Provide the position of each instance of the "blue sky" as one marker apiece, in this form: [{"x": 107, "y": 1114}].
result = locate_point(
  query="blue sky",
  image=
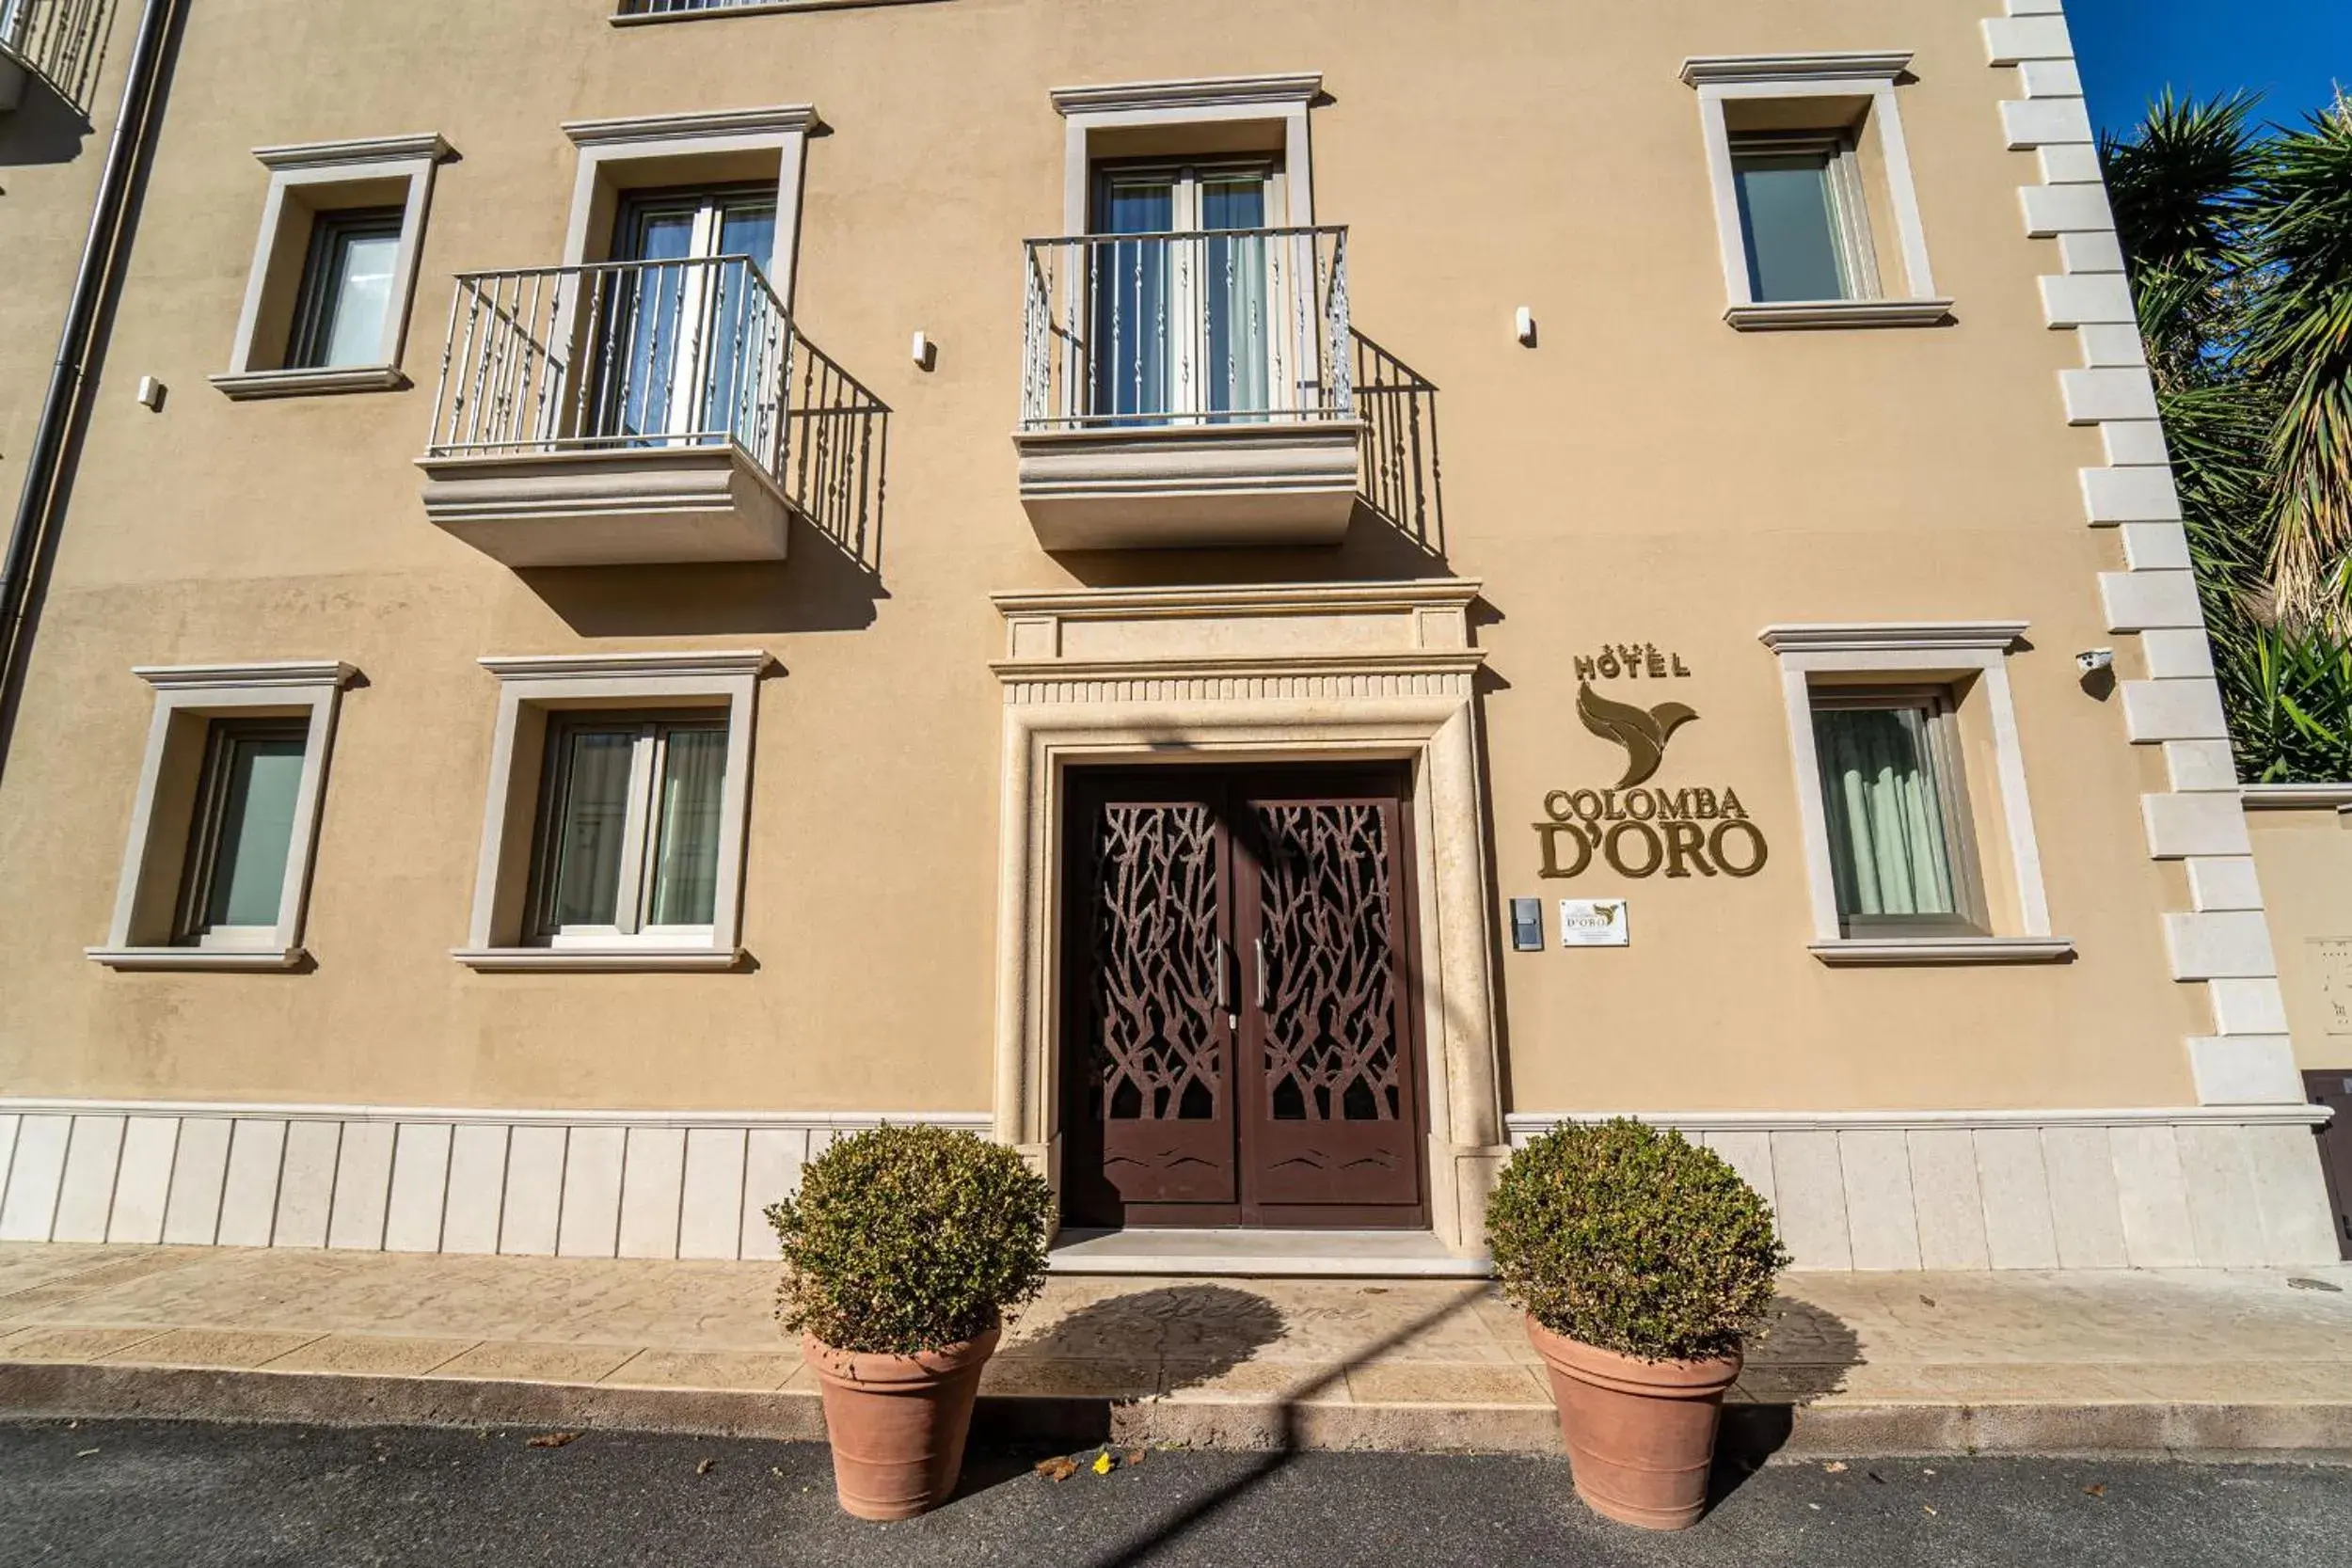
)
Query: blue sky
[{"x": 2290, "y": 51}]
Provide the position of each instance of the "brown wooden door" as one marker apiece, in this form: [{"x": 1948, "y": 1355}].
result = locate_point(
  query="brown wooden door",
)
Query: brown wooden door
[
  {"x": 2333, "y": 1089},
  {"x": 1237, "y": 1039}
]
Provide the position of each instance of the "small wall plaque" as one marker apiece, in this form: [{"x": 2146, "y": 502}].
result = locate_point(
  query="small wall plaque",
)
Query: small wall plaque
[
  {"x": 1526, "y": 925},
  {"x": 1592, "y": 923}
]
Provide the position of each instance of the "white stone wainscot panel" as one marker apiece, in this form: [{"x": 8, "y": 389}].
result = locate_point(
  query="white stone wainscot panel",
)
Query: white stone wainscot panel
[
  {"x": 199, "y": 1170},
  {"x": 305, "y": 1186},
  {"x": 2195, "y": 1186},
  {"x": 2013, "y": 1175},
  {"x": 35, "y": 1171},
  {"x": 87, "y": 1196},
  {"x": 593, "y": 1184},
  {"x": 1881, "y": 1212},
  {"x": 1948, "y": 1200},
  {"x": 143, "y": 1183}
]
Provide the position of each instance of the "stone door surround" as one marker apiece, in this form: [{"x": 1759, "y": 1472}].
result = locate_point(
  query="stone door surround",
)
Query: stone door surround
[{"x": 1301, "y": 673}]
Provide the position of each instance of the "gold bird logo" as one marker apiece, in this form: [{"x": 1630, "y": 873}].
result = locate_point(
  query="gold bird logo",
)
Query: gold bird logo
[{"x": 1642, "y": 732}]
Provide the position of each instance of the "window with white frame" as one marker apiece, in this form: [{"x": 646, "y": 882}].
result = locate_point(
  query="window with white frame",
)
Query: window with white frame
[
  {"x": 334, "y": 269},
  {"x": 619, "y": 799},
  {"x": 1805, "y": 222},
  {"x": 1894, "y": 796},
  {"x": 629, "y": 829},
  {"x": 217, "y": 870},
  {"x": 1919, "y": 837},
  {"x": 243, "y": 835},
  {"x": 346, "y": 292},
  {"x": 1816, "y": 214}
]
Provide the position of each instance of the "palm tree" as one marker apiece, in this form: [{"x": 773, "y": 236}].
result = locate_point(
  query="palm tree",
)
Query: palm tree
[{"x": 2240, "y": 247}]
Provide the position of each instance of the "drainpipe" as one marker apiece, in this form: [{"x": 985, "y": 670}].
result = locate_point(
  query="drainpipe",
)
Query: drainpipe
[{"x": 60, "y": 410}]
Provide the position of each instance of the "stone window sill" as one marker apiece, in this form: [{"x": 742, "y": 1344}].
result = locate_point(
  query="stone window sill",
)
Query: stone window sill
[
  {"x": 245, "y": 385},
  {"x": 198, "y": 957},
  {"x": 592, "y": 960},
  {"x": 1832, "y": 313},
  {"x": 1852, "y": 953}
]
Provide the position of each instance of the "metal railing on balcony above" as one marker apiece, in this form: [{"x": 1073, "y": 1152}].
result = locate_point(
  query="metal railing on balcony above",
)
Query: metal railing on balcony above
[
  {"x": 676, "y": 8},
  {"x": 1223, "y": 328},
  {"x": 62, "y": 42},
  {"x": 621, "y": 356}
]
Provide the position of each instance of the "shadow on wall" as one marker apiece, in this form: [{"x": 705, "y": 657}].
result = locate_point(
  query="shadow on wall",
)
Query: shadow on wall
[
  {"x": 43, "y": 129},
  {"x": 835, "y": 463},
  {"x": 1403, "y": 482},
  {"x": 819, "y": 587}
]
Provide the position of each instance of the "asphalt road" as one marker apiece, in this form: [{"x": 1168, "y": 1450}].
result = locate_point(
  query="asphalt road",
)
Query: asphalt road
[{"x": 128, "y": 1494}]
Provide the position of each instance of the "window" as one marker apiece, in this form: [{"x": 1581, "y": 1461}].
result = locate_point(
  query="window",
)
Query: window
[
  {"x": 346, "y": 289},
  {"x": 216, "y": 871},
  {"x": 1181, "y": 312},
  {"x": 1900, "y": 852},
  {"x": 245, "y": 820},
  {"x": 1919, "y": 837},
  {"x": 628, "y": 831},
  {"x": 1815, "y": 210},
  {"x": 1802, "y": 218},
  {"x": 620, "y": 788},
  {"x": 326, "y": 302},
  {"x": 694, "y": 329}
]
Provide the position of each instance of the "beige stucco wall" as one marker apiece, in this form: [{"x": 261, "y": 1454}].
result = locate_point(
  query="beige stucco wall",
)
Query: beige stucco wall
[
  {"x": 2305, "y": 858},
  {"x": 1646, "y": 473}
]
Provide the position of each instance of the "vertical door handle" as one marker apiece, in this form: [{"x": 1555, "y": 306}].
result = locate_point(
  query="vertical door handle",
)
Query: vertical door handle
[
  {"x": 1259, "y": 943},
  {"x": 1224, "y": 976}
]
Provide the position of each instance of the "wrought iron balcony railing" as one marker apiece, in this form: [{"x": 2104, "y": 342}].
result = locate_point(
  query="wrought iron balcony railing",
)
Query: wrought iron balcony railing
[
  {"x": 62, "y": 42},
  {"x": 622, "y": 355},
  {"x": 1226, "y": 327},
  {"x": 672, "y": 8}
]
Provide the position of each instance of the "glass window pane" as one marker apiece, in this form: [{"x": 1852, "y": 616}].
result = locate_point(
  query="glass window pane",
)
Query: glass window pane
[
  {"x": 1132, "y": 296},
  {"x": 686, "y": 846},
  {"x": 590, "y": 828},
  {"x": 362, "y": 293},
  {"x": 748, "y": 227},
  {"x": 1236, "y": 276},
  {"x": 260, "y": 780},
  {"x": 1889, "y": 846},
  {"x": 1789, "y": 226},
  {"x": 1232, "y": 201}
]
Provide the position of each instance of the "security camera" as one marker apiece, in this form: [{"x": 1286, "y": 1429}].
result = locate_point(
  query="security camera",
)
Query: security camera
[{"x": 2091, "y": 661}]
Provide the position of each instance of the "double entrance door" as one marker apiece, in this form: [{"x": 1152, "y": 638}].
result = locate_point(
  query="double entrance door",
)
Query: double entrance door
[{"x": 1238, "y": 1045}]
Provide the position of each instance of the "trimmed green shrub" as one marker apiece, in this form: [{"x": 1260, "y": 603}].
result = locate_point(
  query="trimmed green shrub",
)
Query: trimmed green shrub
[
  {"x": 1633, "y": 1239},
  {"x": 910, "y": 1238}
]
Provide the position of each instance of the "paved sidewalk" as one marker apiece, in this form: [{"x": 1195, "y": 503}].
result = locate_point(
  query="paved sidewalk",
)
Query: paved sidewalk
[{"x": 1858, "y": 1363}]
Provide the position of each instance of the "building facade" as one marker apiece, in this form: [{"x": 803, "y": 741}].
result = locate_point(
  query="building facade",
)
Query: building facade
[{"x": 1349, "y": 579}]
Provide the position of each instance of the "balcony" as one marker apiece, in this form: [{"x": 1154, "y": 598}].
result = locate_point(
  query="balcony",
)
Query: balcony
[
  {"x": 56, "y": 43},
  {"x": 1181, "y": 390},
  {"x": 632, "y": 413}
]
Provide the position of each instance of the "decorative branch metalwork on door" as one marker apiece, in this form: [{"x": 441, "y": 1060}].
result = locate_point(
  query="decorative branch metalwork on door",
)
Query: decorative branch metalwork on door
[
  {"x": 1328, "y": 973},
  {"x": 1158, "y": 1051}
]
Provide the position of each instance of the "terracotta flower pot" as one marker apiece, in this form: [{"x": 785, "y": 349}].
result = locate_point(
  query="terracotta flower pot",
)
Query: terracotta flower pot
[
  {"x": 1641, "y": 1435},
  {"x": 898, "y": 1423}
]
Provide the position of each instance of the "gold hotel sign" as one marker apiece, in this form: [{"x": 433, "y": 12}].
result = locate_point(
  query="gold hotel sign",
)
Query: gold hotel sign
[{"x": 1637, "y": 829}]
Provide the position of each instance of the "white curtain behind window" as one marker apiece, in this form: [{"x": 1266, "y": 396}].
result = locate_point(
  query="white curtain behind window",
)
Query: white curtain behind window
[
  {"x": 686, "y": 854},
  {"x": 1888, "y": 848}
]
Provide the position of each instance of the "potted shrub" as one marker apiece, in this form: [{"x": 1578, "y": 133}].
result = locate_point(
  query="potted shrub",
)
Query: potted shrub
[
  {"x": 903, "y": 1250},
  {"x": 1641, "y": 1262}
]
